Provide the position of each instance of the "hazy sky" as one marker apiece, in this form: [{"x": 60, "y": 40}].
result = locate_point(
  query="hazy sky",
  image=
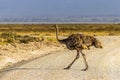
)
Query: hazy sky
[{"x": 59, "y": 7}]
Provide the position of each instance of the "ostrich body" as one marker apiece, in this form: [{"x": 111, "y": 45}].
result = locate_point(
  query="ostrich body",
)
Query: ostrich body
[{"x": 78, "y": 42}]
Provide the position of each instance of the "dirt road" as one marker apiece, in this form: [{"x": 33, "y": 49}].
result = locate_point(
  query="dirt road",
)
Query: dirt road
[{"x": 104, "y": 64}]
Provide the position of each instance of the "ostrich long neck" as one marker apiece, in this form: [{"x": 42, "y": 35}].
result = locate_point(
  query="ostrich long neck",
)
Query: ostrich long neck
[
  {"x": 60, "y": 41},
  {"x": 56, "y": 29}
]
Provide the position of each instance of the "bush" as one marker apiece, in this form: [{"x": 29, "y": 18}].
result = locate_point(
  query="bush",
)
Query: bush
[{"x": 10, "y": 37}]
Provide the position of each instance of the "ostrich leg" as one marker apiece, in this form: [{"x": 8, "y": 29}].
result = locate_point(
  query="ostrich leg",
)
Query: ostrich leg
[
  {"x": 77, "y": 56},
  {"x": 86, "y": 65}
]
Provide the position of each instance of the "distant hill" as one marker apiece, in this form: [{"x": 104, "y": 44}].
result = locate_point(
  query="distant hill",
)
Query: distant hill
[{"x": 110, "y": 19}]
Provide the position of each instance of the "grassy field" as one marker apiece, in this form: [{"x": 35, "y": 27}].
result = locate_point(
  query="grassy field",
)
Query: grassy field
[
  {"x": 64, "y": 28},
  {"x": 42, "y": 30}
]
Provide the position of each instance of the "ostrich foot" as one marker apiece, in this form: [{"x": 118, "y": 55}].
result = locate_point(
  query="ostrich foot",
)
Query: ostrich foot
[
  {"x": 84, "y": 69},
  {"x": 67, "y": 68}
]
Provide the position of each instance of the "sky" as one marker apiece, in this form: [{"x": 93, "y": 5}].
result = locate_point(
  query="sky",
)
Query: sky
[{"x": 59, "y": 8}]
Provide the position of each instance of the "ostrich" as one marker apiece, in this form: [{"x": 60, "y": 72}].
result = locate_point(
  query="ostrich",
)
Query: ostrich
[{"x": 78, "y": 42}]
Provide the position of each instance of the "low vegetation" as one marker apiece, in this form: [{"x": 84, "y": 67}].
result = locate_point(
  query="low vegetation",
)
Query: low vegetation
[
  {"x": 64, "y": 27},
  {"x": 25, "y": 33},
  {"x": 9, "y": 37}
]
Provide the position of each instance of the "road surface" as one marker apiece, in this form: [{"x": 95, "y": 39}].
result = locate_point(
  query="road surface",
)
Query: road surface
[{"x": 104, "y": 64}]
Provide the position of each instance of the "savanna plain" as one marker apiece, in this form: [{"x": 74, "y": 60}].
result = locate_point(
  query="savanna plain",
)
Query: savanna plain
[{"x": 31, "y": 52}]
